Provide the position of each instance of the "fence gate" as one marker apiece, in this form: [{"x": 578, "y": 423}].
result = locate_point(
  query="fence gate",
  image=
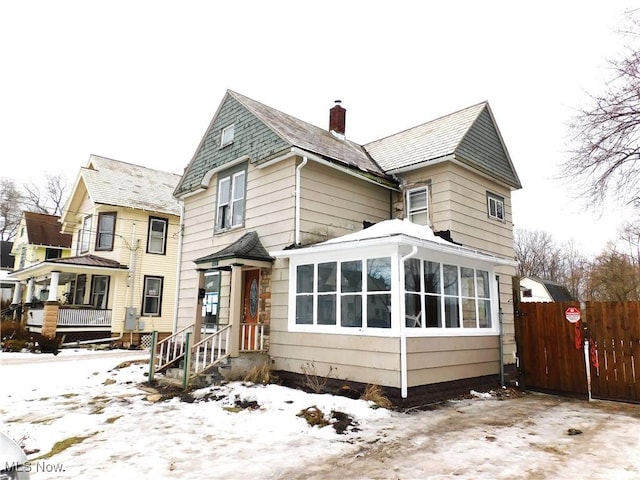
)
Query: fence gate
[
  {"x": 552, "y": 357},
  {"x": 550, "y": 350}
]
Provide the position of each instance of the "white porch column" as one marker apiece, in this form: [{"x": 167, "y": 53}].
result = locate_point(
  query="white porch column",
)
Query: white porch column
[
  {"x": 17, "y": 294},
  {"x": 53, "y": 287},
  {"x": 235, "y": 309},
  {"x": 30, "y": 287}
]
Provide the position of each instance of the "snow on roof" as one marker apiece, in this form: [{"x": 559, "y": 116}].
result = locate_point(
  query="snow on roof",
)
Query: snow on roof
[{"x": 390, "y": 228}]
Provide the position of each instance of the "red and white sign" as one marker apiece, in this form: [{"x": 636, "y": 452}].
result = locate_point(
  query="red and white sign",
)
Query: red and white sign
[{"x": 572, "y": 314}]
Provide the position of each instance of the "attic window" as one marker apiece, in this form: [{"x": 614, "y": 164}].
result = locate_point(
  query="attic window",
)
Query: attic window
[
  {"x": 495, "y": 206},
  {"x": 226, "y": 137},
  {"x": 527, "y": 293}
]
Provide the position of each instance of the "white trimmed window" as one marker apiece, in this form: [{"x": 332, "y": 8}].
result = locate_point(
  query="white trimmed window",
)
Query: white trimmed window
[
  {"x": 418, "y": 205},
  {"x": 495, "y": 206},
  {"x": 446, "y": 296},
  {"x": 231, "y": 196},
  {"x": 344, "y": 294},
  {"x": 85, "y": 234},
  {"x": 157, "y": 235},
  {"x": 152, "y": 296},
  {"x": 226, "y": 137}
]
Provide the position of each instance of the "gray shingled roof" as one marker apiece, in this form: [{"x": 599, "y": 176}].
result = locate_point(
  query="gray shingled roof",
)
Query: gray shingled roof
[
  {"x": 110, "y": 182},
  {"x": 470, "y": 134},
  {"x": 310, "y": 138},
  {"x": 248, "y": 247}
]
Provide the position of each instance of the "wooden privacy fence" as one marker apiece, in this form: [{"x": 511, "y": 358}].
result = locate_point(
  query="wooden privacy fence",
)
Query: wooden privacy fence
[{"x": 552, "y": 354}]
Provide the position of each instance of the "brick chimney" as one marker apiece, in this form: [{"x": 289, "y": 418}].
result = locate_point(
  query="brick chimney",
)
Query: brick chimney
[{"x": 337, "y": 118}]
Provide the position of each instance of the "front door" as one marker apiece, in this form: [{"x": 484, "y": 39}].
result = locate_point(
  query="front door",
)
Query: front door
[{"x": 250, "y": 310}]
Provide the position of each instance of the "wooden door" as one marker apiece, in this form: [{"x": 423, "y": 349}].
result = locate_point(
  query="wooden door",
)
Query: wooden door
[{"x": 251, "y": 300}]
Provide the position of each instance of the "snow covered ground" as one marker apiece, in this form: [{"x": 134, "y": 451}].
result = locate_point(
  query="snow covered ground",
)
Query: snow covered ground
[{"x": 112, "y": 430}]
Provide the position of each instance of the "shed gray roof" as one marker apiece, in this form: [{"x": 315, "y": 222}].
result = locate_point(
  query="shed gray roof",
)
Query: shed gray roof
[
  {"x": 311, "y": 138},
  {"x": 470, "y": 134},
  {"x": 110, "y": 182}
]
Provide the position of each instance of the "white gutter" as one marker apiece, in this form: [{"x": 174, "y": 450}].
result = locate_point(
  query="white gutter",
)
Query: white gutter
[
  {"x": 403, "y": 327},
  {"x": 178, "y": 268},
  {"x": 297, "y": 194}
]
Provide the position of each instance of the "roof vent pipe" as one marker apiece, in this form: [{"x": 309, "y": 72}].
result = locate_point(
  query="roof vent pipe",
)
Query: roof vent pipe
[{"x": 337, "y": 118}]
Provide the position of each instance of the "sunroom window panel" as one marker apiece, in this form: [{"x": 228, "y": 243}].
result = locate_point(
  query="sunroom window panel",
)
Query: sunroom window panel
[
  {"x": 451, "y": 312},
  {"x": 433, "y": 308},
  {"x": 379, "y": 274},
  {"x": 467, "y": 282},
  {"x": 432, "y": 277},
  {"x": 304, "y": 279},
  {"x": 304, "y": 309},
  {"x": 351, "y": 311},
  {"x": 450, "y": 274},
  {"x": 327, "y": 277},
  {"x": 351, "y": 274},
  {"x": 327, "y": 309},
  {"x": 379, "y": 310},
  {"x": 482, "y": 281},
  {"x": 469, "y": 313},
  {"x": 412, "y": 275},
  {"x": 484, "y": 314},
  {"x": 413, "y": 310}
]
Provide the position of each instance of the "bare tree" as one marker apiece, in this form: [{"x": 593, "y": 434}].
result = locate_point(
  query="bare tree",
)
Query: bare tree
[
  {"x": 536, "y": 253},
  {"x": 605, "y": 156},
  {"x": 11, "y": 206},
  {"x": 614, "y": 277},
  {"x": 48, "y": 197}
]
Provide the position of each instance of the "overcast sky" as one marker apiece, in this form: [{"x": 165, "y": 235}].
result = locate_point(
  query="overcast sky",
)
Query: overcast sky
[{"x": 139, "y": 81}]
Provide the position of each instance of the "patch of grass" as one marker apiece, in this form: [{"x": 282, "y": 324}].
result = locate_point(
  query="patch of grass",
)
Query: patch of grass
[
  {"x": 312, "y": 380},
  {"x": 128, "y": 363},
  {"x": 259, "y": 374},
  {"x": 46, "y": 420},
  {"x": 112, "y": 419},
  {"x": 69, "y": 395},
  {"x": 62, "y": 445},
  {"x": 374, "y": 393},
  {"x": 314, "y": 416},
  {"x": 233, "y": 409}
]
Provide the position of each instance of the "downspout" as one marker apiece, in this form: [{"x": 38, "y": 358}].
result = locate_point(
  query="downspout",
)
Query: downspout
[
  {"x": 403, "y": 327},
  {"x": 297, "y": 194},
  {"x": 179, "y": 267}
]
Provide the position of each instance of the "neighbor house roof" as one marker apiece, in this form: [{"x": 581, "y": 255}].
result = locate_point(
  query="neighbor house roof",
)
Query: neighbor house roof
[
  {"x": 121, "y": 184},
  {"x": 557, "y": 292},
  {"x": 43, "y": 229},
  {"x": 470, "y": 135}
]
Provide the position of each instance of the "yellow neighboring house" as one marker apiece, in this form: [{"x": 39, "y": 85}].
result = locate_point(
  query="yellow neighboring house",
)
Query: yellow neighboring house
[{"x": 118, "y": 282}]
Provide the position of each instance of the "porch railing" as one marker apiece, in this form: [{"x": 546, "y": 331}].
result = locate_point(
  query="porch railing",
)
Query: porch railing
[
  {"x": 84, "y": 317},
  {"x": 168, "y": 350},
  {"x": 209, "y": 351},
  {"x": 252, "y": 337}
]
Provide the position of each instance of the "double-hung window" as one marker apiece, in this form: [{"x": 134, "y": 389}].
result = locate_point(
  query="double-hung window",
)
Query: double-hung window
[
  {"x": 418, "y": 205},
  {"x": 99, "y": 291},
  {"x": 152, "y": 296},
  {"x": 85, "y": 234},
  {"x": 157, "y": 235},
  {"x": 231, "y": 199},
  {"x": 495, "y": 206},
  {"x": 106, "y": 231}
]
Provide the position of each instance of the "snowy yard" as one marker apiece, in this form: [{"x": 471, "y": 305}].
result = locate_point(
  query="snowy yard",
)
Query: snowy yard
[{"x": 110, "y": 429}]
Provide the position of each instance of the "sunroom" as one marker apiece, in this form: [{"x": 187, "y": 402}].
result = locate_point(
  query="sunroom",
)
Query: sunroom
[{"x": 397, "y": 280}]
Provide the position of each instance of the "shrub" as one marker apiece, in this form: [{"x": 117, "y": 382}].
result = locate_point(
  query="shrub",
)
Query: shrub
[
  {"x": 374, "y": 393},
  {"x": 312, "y": 380}
]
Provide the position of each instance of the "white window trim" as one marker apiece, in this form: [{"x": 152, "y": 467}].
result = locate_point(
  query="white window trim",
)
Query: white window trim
[
  {"x": 232, "y": 201},
  {"x": 225, "y": 130},
  {"x": 397, "y": 292},
  {"x": 410, "y": 213},
  {"x": 497, "y": 199}
]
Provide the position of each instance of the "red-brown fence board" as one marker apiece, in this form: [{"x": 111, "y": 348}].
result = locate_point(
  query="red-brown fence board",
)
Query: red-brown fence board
[
  {"x": 549, "y": 358},
  {"x": 614, "y": 328}
]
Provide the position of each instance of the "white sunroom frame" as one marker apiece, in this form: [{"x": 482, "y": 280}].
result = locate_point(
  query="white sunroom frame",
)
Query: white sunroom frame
[{"x": 400, "y": 240}]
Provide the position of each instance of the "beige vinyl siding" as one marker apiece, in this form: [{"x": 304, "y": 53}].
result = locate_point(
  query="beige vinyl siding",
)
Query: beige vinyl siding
[
  {"x": 335, "y": 203},
  {"x": 442, "y": 359},
  {"x": 458, "y": 202},
  {"x": 269, "y": 210},
  {"x": 372, "y": 360}
]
